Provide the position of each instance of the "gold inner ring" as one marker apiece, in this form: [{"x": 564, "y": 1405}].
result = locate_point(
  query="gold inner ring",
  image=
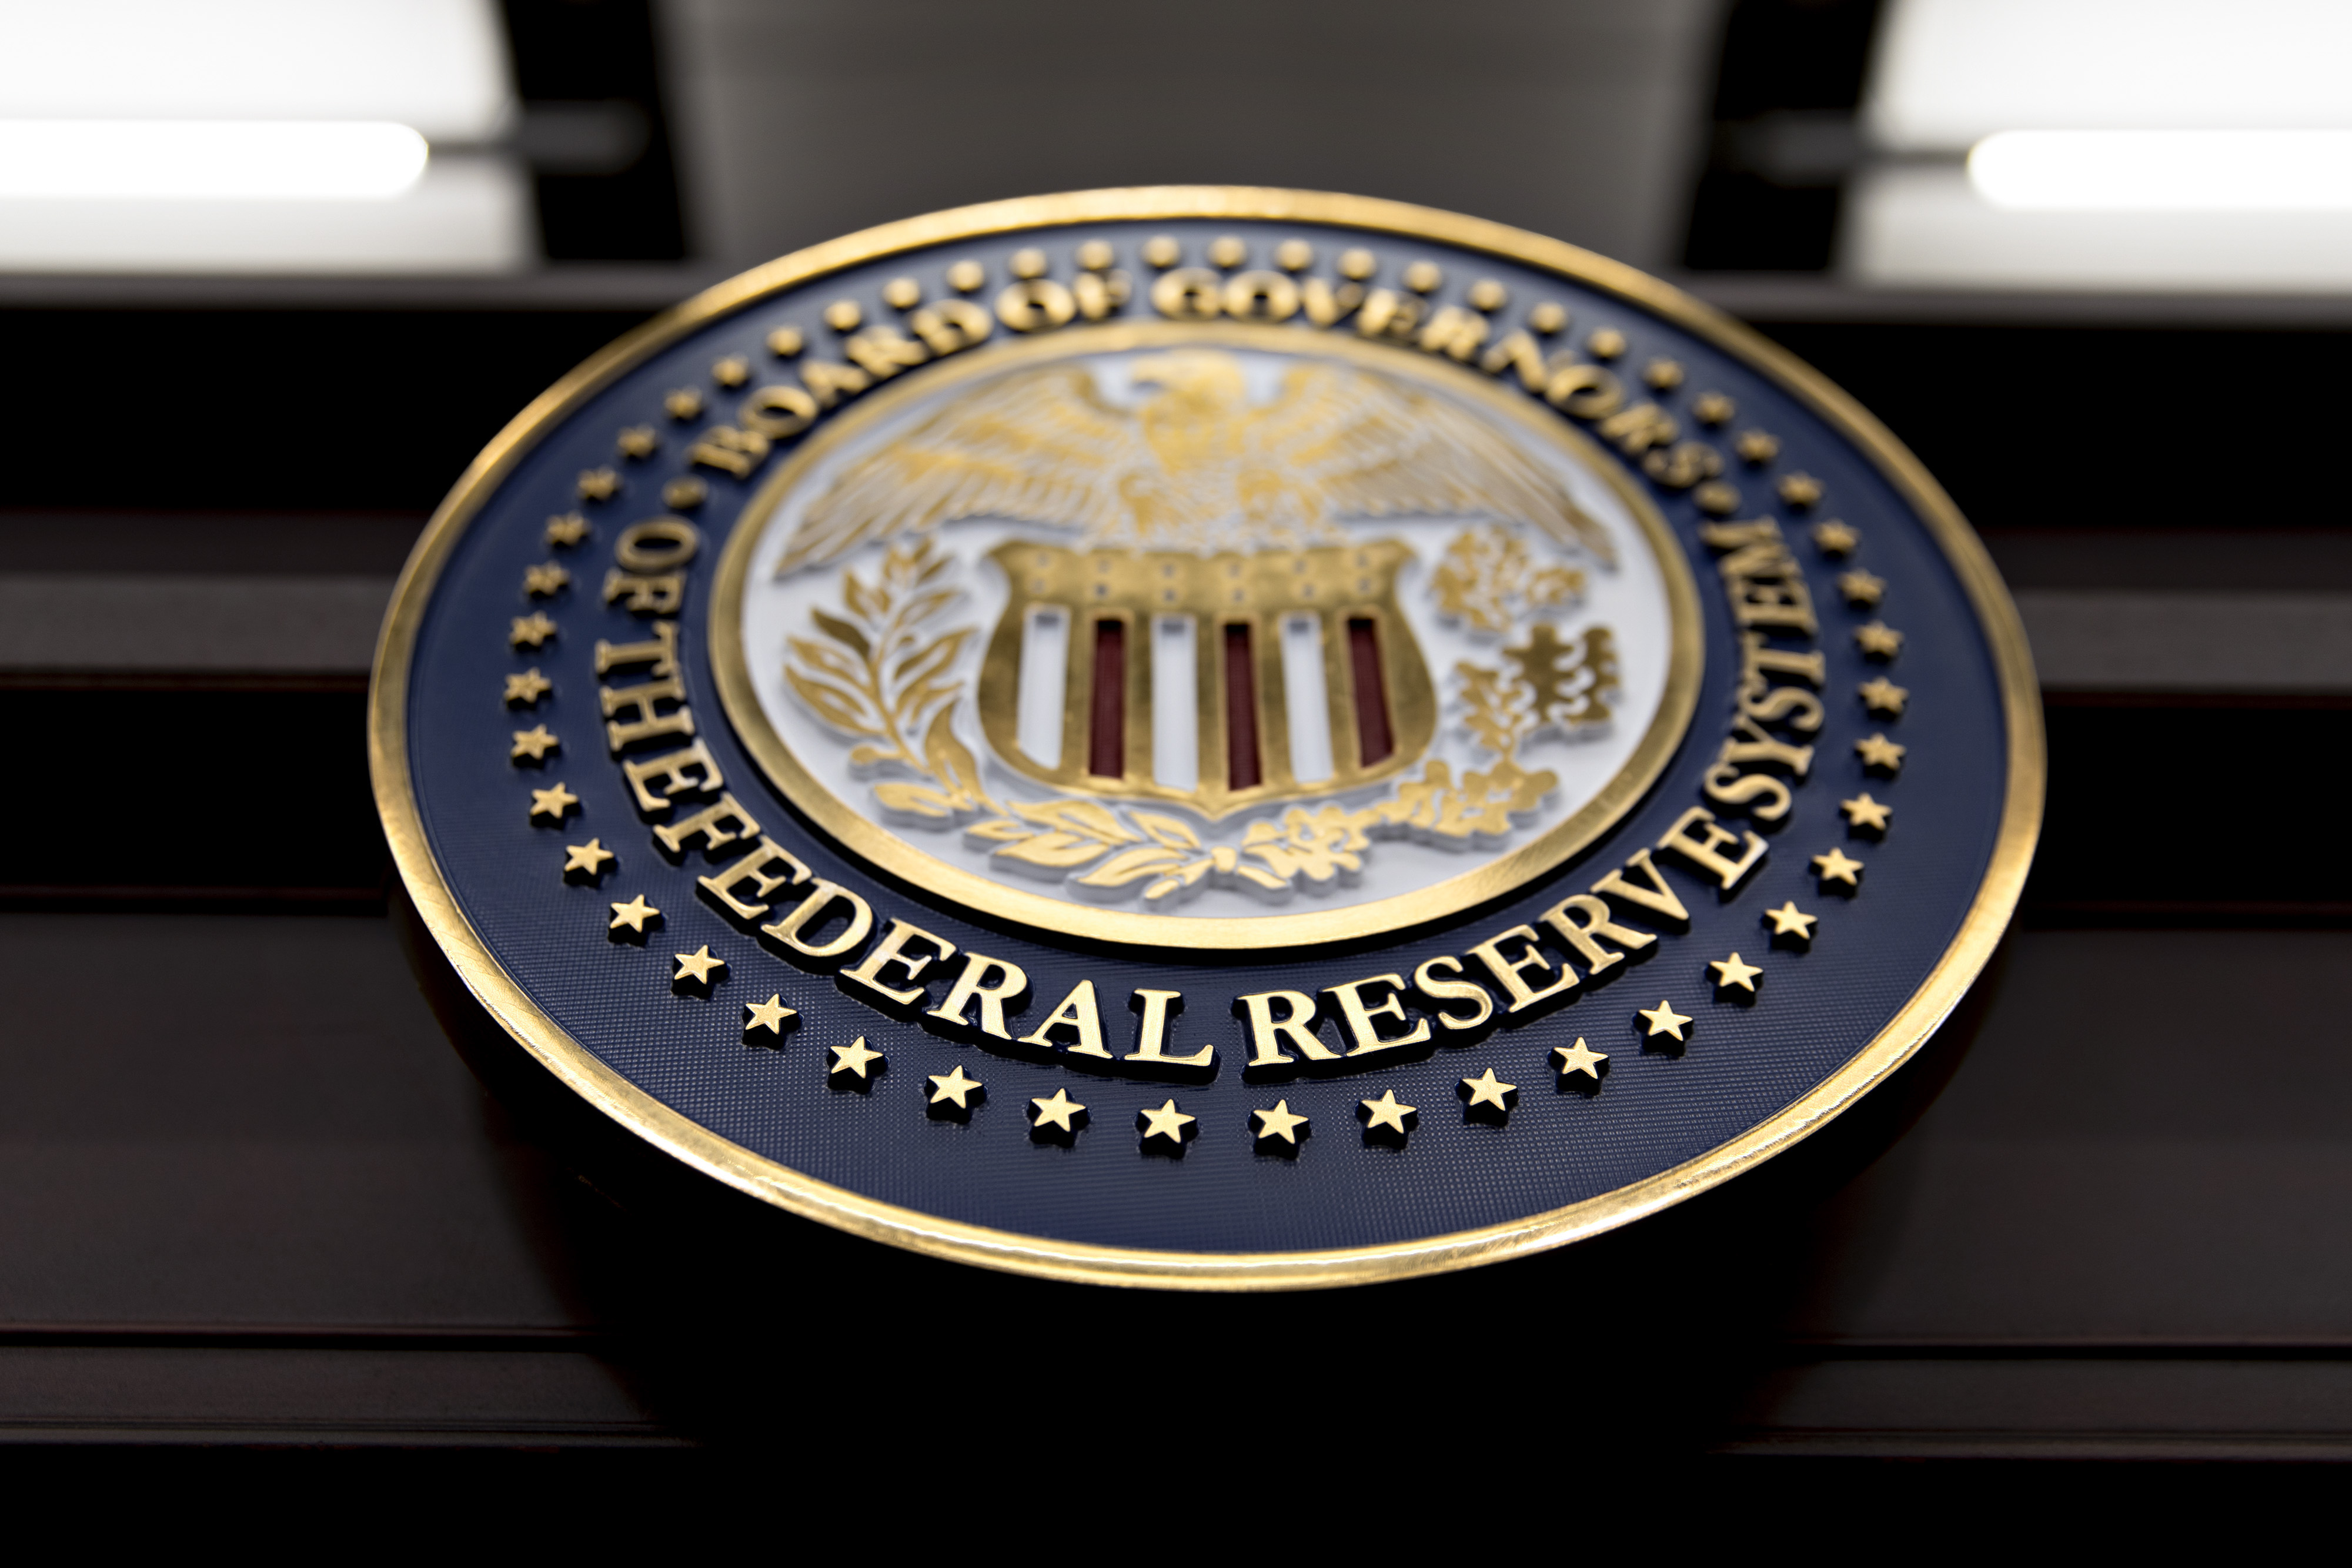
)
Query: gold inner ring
[{"x": 1498, "y": 878}]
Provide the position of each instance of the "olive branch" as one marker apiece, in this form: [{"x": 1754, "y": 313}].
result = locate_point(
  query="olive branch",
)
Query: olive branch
[
  {"x": 881, "y": 675},
  {"x": 1486, "y": 578}
]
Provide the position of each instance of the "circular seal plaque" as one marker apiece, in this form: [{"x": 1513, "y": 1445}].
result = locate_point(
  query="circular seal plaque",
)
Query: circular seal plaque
[{"x": 1211, "y": 737}]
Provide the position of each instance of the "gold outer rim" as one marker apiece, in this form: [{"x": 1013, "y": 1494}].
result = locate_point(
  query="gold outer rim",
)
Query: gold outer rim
[
  {"x": 1244, "y": 933},
  {"x": 696, "y": 1145}
]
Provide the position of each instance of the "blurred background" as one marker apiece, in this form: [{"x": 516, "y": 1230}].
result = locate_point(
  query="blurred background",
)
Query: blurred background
[
  {"x": 272, "y": 270},
  {"x": 2081, "y": 145}
]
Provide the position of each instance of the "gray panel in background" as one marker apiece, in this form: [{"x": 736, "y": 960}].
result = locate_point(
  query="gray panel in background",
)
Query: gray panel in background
[
  {"x": 2055, "y": 1407},
  {"x": 285, "y": 624},
  {"x": 277, "y": 624},
  {"x": 339, "y": 1395},
  {"x": 2132, "y": 641},
  {"x": 1573, "y": 118},
  {"x": 2174, "y": 560}
]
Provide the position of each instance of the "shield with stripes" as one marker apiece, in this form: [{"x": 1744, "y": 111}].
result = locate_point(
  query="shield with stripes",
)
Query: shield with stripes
[{"x": 1216, "y": 682}]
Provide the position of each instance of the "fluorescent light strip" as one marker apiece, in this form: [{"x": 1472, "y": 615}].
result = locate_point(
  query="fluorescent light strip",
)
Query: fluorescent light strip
[
  {"x": 1945, "y": 73},
  {"x": 2164, "y": 170},
  {"x": 438, "y": 65},
  {"x": 208, "y": 159}
]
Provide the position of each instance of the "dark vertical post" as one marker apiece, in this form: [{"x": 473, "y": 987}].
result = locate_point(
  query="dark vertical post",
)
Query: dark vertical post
[
  {"x": 1374, "y": 739},
  {"x": 1107, "y": 737},
  {"x": 1241, "y": 709}
]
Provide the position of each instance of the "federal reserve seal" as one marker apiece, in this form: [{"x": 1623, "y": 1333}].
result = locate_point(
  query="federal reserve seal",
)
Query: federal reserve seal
[{"x": 1209, "y": 738}]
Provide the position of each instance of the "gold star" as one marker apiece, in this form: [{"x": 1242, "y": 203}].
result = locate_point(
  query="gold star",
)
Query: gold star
[
  {"x": 1837, "y": 866},
  {"x": 1789, "y": 921},
  {"x": 635, "y": 914},
  {"x": 1279, "y": 1123},
  {"x": 1880, "y": 752},
  {"x": 785, "y": 341},
  {"x": 698, "y": 966},
  {"x": 685, "y": 494},
  {"x": 534, "y": 743},
  {"x": 526, "y": 689},
  {"x": 542, "y": 580},
  {"x": 1664, "y": 1020},
  {"x": 638, "y": 441},
  {"x": 1712, "y": 408},
  {"x": 1799, "y": 490},
  {"x": 599, "y": 484},
  {"x": 733, "y": 371},
  {"x": 1881, "y": 696},
  {"x": 552, "y": 801},
  {"x": 1388, "y": 1114},
  {"x": 530, "y": 630},
  {"x": 1717, "y": 498},
  {"x": 855, "y": 1059},
  {"x": 587, "y": 859},
  {"x": 1166, "y": 1122},
  {"x": 1862, "y": 811},
  {"x": 953, "y": 1086},
  {"x": 1730, "y": 972},
  {"x": 1060, "y": 1111},
  {"x": 1834, "y": 539},
  {"x": 1878, "y": 641},
  {"x": 1487, "y": 1090},
  {"x": 1605, "y": 344},
  {"x": 1755, "y": 446},
  {"x": 1578, "y": 1058},
  {"x": 567, "y": 530},
  {"x": 1664, "y": 375},
  {"x": 1860, "y": 589},
  {"x": 769, "y": 1015},
  {"x": 683, "y": 403}
]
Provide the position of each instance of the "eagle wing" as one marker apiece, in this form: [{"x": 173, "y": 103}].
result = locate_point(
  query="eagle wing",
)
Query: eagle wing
[
  {"x": 1041, "y": 447},
  {"x": 1364, "y": 446}
]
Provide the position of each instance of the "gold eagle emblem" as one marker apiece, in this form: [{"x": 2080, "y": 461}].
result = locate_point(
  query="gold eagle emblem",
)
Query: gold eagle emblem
[{"x": 1194, "y": 467}]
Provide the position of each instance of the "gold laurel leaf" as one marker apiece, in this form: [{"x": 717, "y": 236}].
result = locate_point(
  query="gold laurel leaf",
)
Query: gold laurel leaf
[
  {"x": 1133, "y": 865},
  {"x": 841, "y": 630},
  {"x": 915, "y": 800},
  {"x": 865, "y": 603},
  {"x": 930, "y": 661},
  {"x": 830, "y": 660},
  {"x": 927, "y": 605},
  {"x": 1166, "y": 829},
  {"x": 1060, "y": 852},
  {"x": 836, "y": 707},
  {"x": 1076, "y": 817},
  {"x": 951, "y": 760}
]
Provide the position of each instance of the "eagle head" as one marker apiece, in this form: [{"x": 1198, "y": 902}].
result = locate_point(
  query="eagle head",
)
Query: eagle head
[{"x": 1195, "y": 382}]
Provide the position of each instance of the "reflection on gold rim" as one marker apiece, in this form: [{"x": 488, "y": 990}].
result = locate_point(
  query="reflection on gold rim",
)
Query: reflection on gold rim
[
  {"x": 1223, "y": 934},
  {"x": 698, "y": 1146}
]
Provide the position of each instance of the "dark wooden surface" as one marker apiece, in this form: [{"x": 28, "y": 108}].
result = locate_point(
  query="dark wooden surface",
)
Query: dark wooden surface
[{"x": 249, "y": 1195}]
